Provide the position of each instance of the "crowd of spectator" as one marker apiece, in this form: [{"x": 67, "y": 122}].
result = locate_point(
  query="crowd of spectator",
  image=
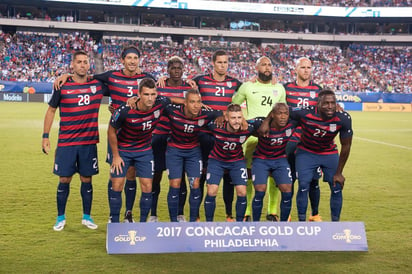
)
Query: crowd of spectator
[
  {"x": 37, "y": 57},
  {"x": 40, "y": 57}
]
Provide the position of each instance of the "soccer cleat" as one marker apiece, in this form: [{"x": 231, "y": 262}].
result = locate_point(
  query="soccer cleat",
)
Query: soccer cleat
[
  {"x": 181, "y": 218},
  {"x": 272, "y": 218},
  {"x": 89, "y": 223},
  {"x": 229, "y": 219},
  {"x": 128, "y": 217},
  {"x": 316, "y": 218},
  {"x": 60, "y": 223},
  {"x": 247, "y": 218},
  {"x": 153, "y": 219}
]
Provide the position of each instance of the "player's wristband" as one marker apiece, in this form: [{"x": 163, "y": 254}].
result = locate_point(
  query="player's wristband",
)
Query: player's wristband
[{"x": 45, "y": 135}]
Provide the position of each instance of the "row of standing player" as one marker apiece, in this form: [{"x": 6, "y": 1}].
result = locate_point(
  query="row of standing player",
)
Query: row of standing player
[{"x": 217, "y": 90}]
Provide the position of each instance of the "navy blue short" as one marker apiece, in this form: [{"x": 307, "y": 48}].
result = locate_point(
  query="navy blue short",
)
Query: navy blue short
[
  {"x": 189, "y": 160},
  {"x": 216, "y": 169},
  {"x": 109, "y": 154},
  {"x": 278, "y": 168},
  {"x": 159, "y": 145},
  {"x": 71, "y": 159},
  {"x": 291, "y": 147},
  {"x": 142, "y": 161},
  {"x": 207, "y": 142},
  {"x": 307, "y": 164}
]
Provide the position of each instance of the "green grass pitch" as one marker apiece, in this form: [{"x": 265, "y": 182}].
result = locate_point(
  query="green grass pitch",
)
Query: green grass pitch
[{"x": 378, "y": 192}]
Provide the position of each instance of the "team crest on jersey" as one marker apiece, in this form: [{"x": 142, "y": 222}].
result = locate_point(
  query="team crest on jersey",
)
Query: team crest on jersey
[
  {"x": 288, "y": 132},
  {"x": 201, "y": 122},
  {"x": 332, "y": 127},
  {"x": 275, "y": 92},
  {"x": 242, "y": 139},
  {"x": 229, "y": 84},
  {"x": 94, "y": 89},
  {"x": 312, "y": 94},
  {"x": 156, "y": 114}
]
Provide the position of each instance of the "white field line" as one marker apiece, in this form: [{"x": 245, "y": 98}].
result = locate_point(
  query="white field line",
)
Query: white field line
[{"x": 383, "y": 143}]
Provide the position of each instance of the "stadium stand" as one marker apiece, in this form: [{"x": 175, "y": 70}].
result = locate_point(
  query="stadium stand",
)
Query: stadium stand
[{"x": 40, "y": 57}]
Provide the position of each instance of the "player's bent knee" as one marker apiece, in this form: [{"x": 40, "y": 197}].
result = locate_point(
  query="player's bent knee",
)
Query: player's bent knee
[
  {"x": 285, "y": 187},
  {"x": 261, "y": 187},
  {"x": 117, "y": 184},
  {"x": 65, "y": 180},
  {"x": 86, "y": 179},
  {"x": 193, "y": 182}
]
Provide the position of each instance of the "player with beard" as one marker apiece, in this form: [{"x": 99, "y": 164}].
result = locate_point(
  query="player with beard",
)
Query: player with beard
[
  {"x": 260, "y": 97},
  {"x": 227, "y": 155}
]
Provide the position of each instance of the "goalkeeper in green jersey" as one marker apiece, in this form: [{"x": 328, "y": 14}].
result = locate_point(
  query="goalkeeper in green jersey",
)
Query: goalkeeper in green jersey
[{"x": 260, "y": 97}]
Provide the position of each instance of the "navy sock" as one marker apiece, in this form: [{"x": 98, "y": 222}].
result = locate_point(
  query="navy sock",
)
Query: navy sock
[
  {"x": 63, "y": 191},
  {"x": 86, "y": 191},
  {"x": 257, "y": 204},
  {"x": 240, "y": 208},
  {"x": 145, "y": 203},
  {"x": 173, "y": 203},
  {"x": 302, "y": 202},
  {"x": 202, "y": 181},
  {"x": 155, "y": 194},
  {"x": 109, "y": 186},
  {"x": 130, "y": 193},
  {"x": 182, "y": 196},
  {"x": 115, "y": 204},
  {"x": 336, "y": 200},
  {"x": 195, "y": 199},
  {"x": 228, "y": 192},
  {"x": 210, "y": 206},
  {"x": 314, "y": 196},
  {"x": 285, "y": 206}
]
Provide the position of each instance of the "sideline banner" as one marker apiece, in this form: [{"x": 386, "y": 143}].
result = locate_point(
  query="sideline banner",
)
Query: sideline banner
[
  {"x": 387, "y": 107},
  {"x": 130, "y": 238}
]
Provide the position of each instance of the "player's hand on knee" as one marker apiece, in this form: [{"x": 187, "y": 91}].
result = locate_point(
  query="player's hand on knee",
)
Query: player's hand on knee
[
  {"x": 338, "y": 179},
  {"x": 117, "y": 165}
]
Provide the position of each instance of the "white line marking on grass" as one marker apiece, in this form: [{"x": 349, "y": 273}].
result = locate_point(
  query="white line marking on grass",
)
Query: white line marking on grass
[{"x": 383, "y": 143}]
